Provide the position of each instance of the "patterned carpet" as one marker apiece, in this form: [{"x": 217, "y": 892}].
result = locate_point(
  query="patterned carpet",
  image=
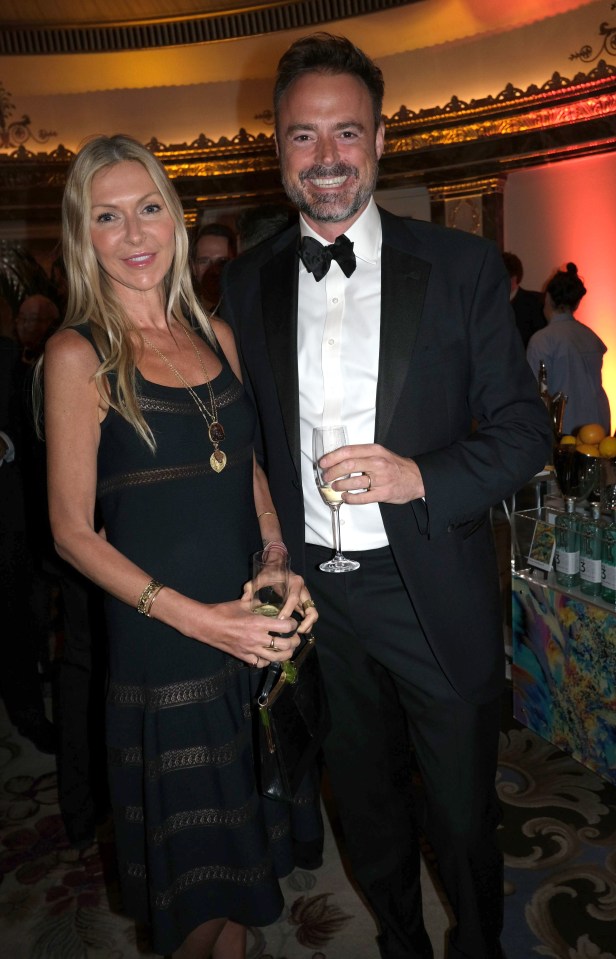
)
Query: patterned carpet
[{"x": 558, "y": 838}]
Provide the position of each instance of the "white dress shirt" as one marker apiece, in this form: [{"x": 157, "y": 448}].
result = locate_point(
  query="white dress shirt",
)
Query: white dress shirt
[{"x": 338, "y": 333}]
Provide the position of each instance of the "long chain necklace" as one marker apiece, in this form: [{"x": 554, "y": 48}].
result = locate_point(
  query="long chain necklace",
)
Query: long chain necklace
[{"x": 215, "y": 431}]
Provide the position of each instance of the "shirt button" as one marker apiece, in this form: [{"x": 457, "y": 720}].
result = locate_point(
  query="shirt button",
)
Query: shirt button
[
  {"x": 334, "y": 299},
  {"x": 331, "y": 342}
]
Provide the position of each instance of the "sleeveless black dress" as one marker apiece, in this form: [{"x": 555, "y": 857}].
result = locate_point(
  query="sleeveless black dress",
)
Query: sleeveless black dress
[{"x": 194, "y": 839}]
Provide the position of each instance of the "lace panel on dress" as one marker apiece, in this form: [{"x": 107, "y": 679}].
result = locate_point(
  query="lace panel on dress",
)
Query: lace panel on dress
[
  {"x": 194, "y": 818},
  {"x": 248, "y": 876},
  {"x": 175, "y": 694},
  {"x": 161, "y": 475}
]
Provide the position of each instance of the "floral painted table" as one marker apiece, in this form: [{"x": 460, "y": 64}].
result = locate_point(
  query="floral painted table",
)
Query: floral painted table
[{"x": 564, "y": 670}]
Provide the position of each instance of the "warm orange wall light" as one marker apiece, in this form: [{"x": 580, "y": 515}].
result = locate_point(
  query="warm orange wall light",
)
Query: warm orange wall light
[{"x": 567, "y": 212}]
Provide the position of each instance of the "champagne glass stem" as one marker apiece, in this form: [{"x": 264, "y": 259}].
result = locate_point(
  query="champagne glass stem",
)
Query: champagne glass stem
[{"x": 336, "y": 529}]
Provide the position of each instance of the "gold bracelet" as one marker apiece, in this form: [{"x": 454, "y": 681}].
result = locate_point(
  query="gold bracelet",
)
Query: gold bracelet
[
  {"x": 153, "y": 597},
  {"x": 147, "y": 597},
  {"x": 266, "y": 512}
]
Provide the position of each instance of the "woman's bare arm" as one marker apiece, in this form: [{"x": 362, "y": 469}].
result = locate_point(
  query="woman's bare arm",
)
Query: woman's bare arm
[{"x": 73, "y": 413}]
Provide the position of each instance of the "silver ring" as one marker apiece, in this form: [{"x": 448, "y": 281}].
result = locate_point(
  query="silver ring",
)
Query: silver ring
[
  {"x": 257, "y": 658},
  {"x": 369, "y": 486}
]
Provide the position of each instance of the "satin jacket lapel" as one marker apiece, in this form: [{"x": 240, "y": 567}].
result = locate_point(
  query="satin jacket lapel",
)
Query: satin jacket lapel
[
  {"x": 279, "y": 306},
  {"x": 404, "y": 280}
]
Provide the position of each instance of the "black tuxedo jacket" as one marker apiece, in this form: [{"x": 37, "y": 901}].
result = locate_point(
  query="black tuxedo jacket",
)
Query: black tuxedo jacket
[
  {"x": 528, "y": 311},
  {"x": 450, "y": 360}
]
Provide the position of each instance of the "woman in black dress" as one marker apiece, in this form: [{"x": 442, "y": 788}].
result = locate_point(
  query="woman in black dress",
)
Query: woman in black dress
[{"x": 145, "y": 414}]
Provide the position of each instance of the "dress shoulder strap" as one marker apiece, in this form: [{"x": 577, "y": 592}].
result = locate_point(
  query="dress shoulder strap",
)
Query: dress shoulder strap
[{"x": 85, "y": 330}]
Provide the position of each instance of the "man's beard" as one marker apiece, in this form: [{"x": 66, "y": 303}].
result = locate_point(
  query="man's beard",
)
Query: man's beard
[{"x": 330, "y": 207}]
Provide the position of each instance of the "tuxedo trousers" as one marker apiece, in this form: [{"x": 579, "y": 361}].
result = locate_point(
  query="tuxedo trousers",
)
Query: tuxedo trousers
[{"x": 389, "y": 701}]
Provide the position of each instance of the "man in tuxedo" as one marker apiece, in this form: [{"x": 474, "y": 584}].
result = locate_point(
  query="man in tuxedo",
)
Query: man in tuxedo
[
  {"x": 527, "y": 304},
  {"x": 402, "y": 332}
]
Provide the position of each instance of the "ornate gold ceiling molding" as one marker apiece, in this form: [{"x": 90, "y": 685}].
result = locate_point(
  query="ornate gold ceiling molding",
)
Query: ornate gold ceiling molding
[
  {"x": 483, "y": 186},
  {"x": 240, "y": 21},
  {"x": 457, "y": 147},
  {"x": 198, "y": 151},
  {"x": 541, "y": 119},
  {"x": 13, "y": 133},
  {"x": 512, "y": 100},
  {"x": 608, "y": 44},
  {"x": 560, "y": 101}
]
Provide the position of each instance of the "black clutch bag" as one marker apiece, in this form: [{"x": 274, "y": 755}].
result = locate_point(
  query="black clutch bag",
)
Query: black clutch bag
[{"x": 292, "y": 722}]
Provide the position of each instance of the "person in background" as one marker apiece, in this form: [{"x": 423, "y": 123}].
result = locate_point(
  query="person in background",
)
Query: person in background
[
  {"x": 55, "y": 585},
  {"x": 145, "y": 415},
  {"x": 213, "y": 246},
  {"x": 7, "y": 318},
  {"x": 527, "y": 304},
  {"x": 36, "y": 319},
  {"x": 572, "y": 353},
  {"x": 400, "y": 330},
  {"x": 36, "y": 316},
  {"x": 20, "y": 648},
  {"x": 58, "y": 280}
]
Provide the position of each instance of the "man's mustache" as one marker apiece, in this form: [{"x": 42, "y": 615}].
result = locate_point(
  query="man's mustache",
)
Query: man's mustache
[{"x": 319, "y": 172}]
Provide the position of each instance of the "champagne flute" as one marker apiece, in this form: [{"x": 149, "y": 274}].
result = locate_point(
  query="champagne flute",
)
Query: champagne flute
[
  {"x": 270, "y": 585},
  {"x": 270, "y": 581},
  {"x": 324, "y": 440}
]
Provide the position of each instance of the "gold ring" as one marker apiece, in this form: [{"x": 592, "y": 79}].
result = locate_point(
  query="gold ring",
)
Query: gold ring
[
  {"x": 276, "y": 649},
  {"x": 272, "y": 645},
  {"x": 369, "y": 486},
  {"x": 257, "y": 658},
  {"x": 309, "y": 604}
]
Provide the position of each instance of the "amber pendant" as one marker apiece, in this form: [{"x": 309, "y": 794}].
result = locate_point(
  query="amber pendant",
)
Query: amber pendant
[
  {"x": 216, "y": 432},
  {"x": 218, "y": 461}
]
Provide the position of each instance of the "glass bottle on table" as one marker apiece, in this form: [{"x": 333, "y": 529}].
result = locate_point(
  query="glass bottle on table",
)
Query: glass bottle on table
[
  {"x": 608, "y": 552},
  {"x": 608, "y": 563},
  {"x": 577, "y": 476},
  {"x": 591, "y": 541},
  {"x": 567, "y": 554},
  {"x": 543, "y": 383}
]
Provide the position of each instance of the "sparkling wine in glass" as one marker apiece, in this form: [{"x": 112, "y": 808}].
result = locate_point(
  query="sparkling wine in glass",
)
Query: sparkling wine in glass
[
  {"x": 270, "y": 580},
  {"x": 324, "y": 440}
]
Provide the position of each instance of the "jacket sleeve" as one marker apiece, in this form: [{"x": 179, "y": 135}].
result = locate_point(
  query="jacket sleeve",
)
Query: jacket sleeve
[{"x": 512, "y": 435}]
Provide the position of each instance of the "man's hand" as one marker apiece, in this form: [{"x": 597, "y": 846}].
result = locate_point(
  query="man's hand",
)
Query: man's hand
[{"x": 384, "y": 476}]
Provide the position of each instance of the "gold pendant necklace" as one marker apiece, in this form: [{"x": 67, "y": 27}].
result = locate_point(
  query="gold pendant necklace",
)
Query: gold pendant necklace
[{"x": 215, "y": 430}]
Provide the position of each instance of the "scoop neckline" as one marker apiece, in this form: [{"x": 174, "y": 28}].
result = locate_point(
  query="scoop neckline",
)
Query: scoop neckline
[{"x": 163, "y": 386}]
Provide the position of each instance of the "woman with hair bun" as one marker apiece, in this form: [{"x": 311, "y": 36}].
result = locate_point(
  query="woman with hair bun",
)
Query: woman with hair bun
[{"x": 572, "y": 353}]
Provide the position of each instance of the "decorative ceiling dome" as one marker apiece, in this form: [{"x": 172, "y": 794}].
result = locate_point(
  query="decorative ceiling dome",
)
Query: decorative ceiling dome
[{"x": 93, "y": 26}]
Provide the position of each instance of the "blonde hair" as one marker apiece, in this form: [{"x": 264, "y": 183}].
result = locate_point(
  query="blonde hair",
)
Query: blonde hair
[{"x": 91, "y": 296}]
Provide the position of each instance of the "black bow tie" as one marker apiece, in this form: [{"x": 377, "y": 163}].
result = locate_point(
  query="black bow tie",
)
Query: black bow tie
[{"x": 317, "y": 258}]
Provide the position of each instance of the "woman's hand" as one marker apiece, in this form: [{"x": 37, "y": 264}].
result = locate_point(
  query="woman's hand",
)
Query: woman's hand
[
  {"x": 298, "y": 601},
  {"x": 301, "y": 602},
  {"x": 235, "y": 629}
]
